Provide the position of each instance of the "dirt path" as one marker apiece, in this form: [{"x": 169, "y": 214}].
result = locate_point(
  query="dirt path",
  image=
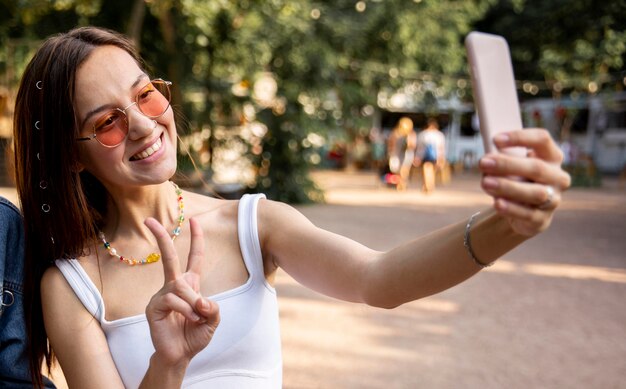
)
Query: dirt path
[{"x": 550, "y": 314}]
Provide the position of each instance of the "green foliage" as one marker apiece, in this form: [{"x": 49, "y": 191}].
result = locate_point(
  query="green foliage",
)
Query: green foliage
[
  {"x": 330, "y": 59},
  {"x": 283, "y": 162},
  {"x": 579, "y": 45},
  {"x": 584, "y": 174}
]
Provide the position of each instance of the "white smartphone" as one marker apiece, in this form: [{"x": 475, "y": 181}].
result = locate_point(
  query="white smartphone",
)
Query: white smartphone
[{"x": 493, "y": 83}]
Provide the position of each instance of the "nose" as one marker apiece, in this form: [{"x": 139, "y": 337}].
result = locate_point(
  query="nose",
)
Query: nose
[{"x": 139, "y": 125}]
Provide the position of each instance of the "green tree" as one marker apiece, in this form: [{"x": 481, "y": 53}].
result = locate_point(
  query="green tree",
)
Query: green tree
[
  {"x": 330, "y": 61},
  {"x": 566, "y": 45}
]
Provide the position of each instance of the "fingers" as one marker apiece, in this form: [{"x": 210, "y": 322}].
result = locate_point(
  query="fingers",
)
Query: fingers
[
  {"x": 532, "y": 169},
  {"x": 529, "y": 193},
  {"x": 196, "y": 252},
  {"x": 179, "y": 296},
  {"x": 538, "y": 141},
  {"x": 526, "y": 190},
  {"x": 171, "y": 264},
  {"x": 209, "y": 311},
  {"x": 526, "y": 220},
  {"x": 167, "y": 303}
]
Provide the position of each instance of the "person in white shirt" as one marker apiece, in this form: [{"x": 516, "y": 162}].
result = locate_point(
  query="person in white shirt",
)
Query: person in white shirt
[{"x": 430, "y": 154}]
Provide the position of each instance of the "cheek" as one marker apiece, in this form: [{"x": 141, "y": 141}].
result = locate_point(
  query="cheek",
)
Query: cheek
[
  {"x": 95, "y": 162},
  {"x": 83, "y": 158},
  {"x": 168, "y": 120}
]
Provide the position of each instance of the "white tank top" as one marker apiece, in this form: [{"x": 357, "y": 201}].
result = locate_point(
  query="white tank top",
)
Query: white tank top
[{"x": 245, "y": 351}]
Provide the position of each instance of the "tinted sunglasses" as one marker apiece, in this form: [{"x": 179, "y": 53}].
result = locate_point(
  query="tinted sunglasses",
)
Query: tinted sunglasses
[{"x": 111, "y": 128}]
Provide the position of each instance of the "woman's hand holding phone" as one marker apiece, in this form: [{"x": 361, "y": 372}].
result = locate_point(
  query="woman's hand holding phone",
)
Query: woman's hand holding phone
[
  {"x": 522, "y": 168},
  {"x": 529, "y": 203}
]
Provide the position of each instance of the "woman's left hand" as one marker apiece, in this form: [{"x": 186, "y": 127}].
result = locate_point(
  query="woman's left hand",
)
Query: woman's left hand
[{"x": 526, "y": 191}]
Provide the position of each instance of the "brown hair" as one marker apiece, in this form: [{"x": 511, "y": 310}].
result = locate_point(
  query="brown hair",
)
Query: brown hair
[{"x": 62, "y": 207}]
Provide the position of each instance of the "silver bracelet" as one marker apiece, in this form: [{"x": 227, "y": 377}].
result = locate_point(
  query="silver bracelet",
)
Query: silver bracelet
[{"x": 468, "y": 245}]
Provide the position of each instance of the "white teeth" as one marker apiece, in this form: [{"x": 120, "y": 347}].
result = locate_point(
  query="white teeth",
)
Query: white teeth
[{"x": 149, "y": 151}]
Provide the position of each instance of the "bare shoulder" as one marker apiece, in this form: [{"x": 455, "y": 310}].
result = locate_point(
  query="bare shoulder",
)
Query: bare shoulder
[
  {"x": 272, "y": 212},
  {"x": 53, "y": 280},
  {"x": 63, "y": 311},
  {"x": 277, "y": 219},
  {"x": 55, "y": 290},
  {"x": 217, "y": 217},
  {"x": 205, "y": 209}
]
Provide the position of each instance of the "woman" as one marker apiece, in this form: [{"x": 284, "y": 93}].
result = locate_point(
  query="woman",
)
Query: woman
[
  {"x": 401, "y": 150},
  {"x": 95, "y": 148}
]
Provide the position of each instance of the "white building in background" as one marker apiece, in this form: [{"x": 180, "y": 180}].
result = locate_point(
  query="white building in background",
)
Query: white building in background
[
  {"x": 592, "y": 126},
  {"x": 589, "y": 127}
]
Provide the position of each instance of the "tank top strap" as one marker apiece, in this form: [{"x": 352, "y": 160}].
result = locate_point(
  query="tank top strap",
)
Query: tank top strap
[
  {"x": 248, "y": 232},
  {"x": 83, "y": 287}
]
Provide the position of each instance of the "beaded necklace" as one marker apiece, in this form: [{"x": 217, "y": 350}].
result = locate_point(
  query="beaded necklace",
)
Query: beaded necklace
[{"x": 152, "y": 257}]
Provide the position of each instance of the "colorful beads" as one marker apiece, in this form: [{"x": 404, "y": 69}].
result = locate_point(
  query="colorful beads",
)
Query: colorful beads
[{"x": 152, "y": 257}]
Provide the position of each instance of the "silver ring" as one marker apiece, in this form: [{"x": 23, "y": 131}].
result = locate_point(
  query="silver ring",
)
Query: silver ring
[
  {"x": 39, "y": 85},
  {"x": 550, "y": 196},
  {"x": 37, "y": 125}
]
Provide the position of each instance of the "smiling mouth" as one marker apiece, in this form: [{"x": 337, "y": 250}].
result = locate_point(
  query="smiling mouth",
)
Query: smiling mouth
[{"x": 149, "y": 151}]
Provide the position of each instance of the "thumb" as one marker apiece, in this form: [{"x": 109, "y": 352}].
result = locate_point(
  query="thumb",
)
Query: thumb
[{"x": 209, "y": 310}]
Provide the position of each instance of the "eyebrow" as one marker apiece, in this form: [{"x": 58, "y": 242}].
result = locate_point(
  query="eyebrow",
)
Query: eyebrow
[{"x": 106, "y": 106}]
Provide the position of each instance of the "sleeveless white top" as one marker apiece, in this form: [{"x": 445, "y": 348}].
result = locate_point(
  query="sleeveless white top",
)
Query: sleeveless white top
[{"x": 245, "y": 351}]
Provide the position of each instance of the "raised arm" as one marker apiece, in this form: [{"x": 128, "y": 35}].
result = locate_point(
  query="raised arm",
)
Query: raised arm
[
  {"x": 181, "y": 323},
  {"x": 342, "y": 268}
]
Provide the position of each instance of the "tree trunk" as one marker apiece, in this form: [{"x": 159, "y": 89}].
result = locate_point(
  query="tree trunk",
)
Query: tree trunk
[
  {"x": 169, "y": 37},
  {"x": 135, "y": 23}
]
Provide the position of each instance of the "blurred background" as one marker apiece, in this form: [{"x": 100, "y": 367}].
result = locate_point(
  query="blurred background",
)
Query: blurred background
[{"x": 272, "y": 89}]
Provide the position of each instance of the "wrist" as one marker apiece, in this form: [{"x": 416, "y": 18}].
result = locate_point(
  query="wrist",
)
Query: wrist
[
  {"x": 164, "y": 372},
  {"x": 468, "y": 244},
  {"x": 488, "y": 236},
  {"x": 161, "y": 361}
]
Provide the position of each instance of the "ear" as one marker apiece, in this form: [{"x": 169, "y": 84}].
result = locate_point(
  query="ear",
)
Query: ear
[{"x": 77, "y": 167}]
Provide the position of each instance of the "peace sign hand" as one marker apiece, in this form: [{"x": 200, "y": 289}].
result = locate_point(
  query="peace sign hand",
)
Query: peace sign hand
[{"x": 181, "y": 321}]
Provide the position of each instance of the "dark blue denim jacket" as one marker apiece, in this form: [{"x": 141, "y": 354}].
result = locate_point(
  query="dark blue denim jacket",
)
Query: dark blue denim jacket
[{"x": 14, "y": 370}]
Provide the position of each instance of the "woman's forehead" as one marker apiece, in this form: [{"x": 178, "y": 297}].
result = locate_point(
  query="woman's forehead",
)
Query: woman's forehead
[
  {"x": 107, "y": 65},
  {"x": 108, "y": 74}
]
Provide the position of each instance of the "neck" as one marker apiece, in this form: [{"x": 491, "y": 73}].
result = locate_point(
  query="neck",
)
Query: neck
[{"x": 128, "y": 208}]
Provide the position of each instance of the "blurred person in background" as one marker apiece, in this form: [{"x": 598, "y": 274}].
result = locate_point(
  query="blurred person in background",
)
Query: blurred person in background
[
  {"x": 401, "y": 150},
  {"x": 430, "y": 154}
]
